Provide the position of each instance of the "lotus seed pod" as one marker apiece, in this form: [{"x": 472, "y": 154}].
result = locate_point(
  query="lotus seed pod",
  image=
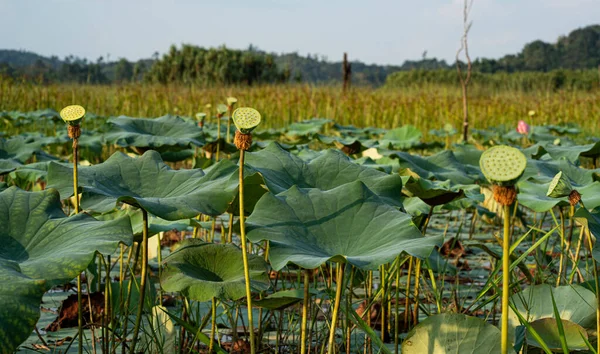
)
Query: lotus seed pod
[
  {"x": 73, "y": 114},
  {"x": 231, "y": 101},
  {"x": 574, "y": 197},
  {"x": 504, "y": 195},
  {"x": 531, "y": 113},
  {"x": 221, "y": 109},
  {"x": 502, "y": 165},
  {"x": 560, "y": 186},
  {"x": 246, "y": 119}
]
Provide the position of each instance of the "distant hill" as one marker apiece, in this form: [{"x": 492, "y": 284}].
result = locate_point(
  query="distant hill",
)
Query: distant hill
[{"x": 580, "y": 49}]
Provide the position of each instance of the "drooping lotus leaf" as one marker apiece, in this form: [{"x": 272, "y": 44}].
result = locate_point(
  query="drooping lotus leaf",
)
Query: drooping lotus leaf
[
  {"x": 8, "y": 165},
  {"x": 281, "y": 170},
  {"x": 534, "y": 196},
  {"x": 441, "y": 166},
  {"x": 560, "y": 186},
  {"x": 453, "y": 333},
  {"x": 574, "y": 303},
  {"x": 404, "y": 137},
  {"x": 348, "y": 145},
  {"x": 159, "y": 133},
  {"x": 246, "y": 119},
  {"x": 40, "y": 247},
  {"x": 201, "y": 271},
  {"x": 502, "y": 165},
  {"x": 592, "y": 221},
  {"x": 440, "y": 192},
  {"x": 547, "y": 329},
  {"x": 30, "y": 173},
  {"x": 147, "y": 182},
  {"x": 349, "y": 223}
]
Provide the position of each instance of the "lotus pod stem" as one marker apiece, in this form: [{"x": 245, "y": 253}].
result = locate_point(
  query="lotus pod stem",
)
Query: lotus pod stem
[
  {"x": 339, "y": 282},
  {"x": 505, "y": 279},
  {"x": 305, "y": 311},
  {"x": 140, "y": 311}
]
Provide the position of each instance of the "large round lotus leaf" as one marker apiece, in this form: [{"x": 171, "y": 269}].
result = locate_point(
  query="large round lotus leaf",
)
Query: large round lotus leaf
[
  {"x": 201, "y": 271},
  {"x": 282, "y": 170},
  {"x": 534, "y": 196},
  {"x": 9, "y": 165},
  {"x": 575, "y": 303},
  {"x": 453, "y": 333},
  {"x": 502, "y": 164},
  {"x": 40, "y": 247},
  {"x": 281, "y": 299},
  {"x": 441, "y": 166},
  {"x": 163, "y": 132},
  {"x": 147, "y": 182},
  {"x": 547, "y": 329},
  {"x": 404, "y": 137},
  {"x": 349, "y": 223}
]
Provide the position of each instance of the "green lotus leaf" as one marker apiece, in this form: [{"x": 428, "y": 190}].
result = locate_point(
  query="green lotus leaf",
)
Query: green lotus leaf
[
  {"x": 502, "y": 165},
  {"x": 201, "y": 271},
  {"x": 574, "y": 152},
  {"x": 159, "y": 133},
  {"x": 22, "y": 149},
  {"x": 534, "y": 196},
  {"x": 282, "y": 299},
  {"x": 281, "y": 170},
  {"x": 453, "y": 333},
  {"x": 440, "y": 192},
  {"x": 147, "y": 182},
  {"x": 349, "y": 223},
  {"x": 441, "y": 166},
  {"x": 349, "y": 145},
  {"x": 30, "y": 173},
  {"x": 547, "y": 329},
  {"x": 3, "y": 186},
  {"x": 40, "y": 247},
  {"x": 574, "y": 303},
  {"x": 404, "y": 137},
  {"x": 560, "y": 186},
  {"x": 591, "y": 220},
  {"x": 9, "y": 165},
  {"x": 543, "y": 171},
  {"x": 308, "y": 127}
]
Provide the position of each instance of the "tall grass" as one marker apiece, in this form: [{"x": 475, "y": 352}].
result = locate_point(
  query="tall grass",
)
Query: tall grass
[{"x": 425, "y": 106}]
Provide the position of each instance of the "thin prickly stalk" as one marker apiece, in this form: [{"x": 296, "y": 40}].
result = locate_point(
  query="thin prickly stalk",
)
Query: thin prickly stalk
[
  {"x": 305, "y": 311},
  {"x": 213, "y": 324},
  {"x": 336, "y": 306},
  {"x": 245, "y": 119},
  {"x": 138, "y": 319},
  {"x": 503, "y": 166},
  {"x": 73, "y": 116}
]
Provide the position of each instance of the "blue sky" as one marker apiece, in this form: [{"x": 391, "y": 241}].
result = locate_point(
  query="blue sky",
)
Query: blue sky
[{"x": 375, "y": 31}]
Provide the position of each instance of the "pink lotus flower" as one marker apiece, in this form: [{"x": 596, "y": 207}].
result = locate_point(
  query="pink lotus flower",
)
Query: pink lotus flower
[{"x": 523, "y": 128}]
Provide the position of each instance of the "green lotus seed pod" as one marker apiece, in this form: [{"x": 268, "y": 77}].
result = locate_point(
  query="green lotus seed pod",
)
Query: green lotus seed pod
[
  {"x": 221, "y": 108},
  {"x": 73, "y": 114},
  {"x": 231, "y": 101},
  {"x": 200, "y": 116},
  {"x": 246, "y": 119},
  {"x": 560, "y": 186},
  {"x": 502, "y": 165}
]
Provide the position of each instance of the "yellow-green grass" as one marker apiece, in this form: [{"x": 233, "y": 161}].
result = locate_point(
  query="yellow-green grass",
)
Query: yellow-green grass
[{"x": 425, "y": 107}]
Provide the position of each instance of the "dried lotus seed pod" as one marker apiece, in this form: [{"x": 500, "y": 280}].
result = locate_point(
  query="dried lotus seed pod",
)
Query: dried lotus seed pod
[
  {"x": 246, "y": 119},
  {"x": 560, "y": 186},
  {"x": 502, "y": 165}
]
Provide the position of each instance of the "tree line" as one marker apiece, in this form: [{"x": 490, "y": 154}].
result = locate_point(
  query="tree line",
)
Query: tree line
[{"x": 580, "y": 50}]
